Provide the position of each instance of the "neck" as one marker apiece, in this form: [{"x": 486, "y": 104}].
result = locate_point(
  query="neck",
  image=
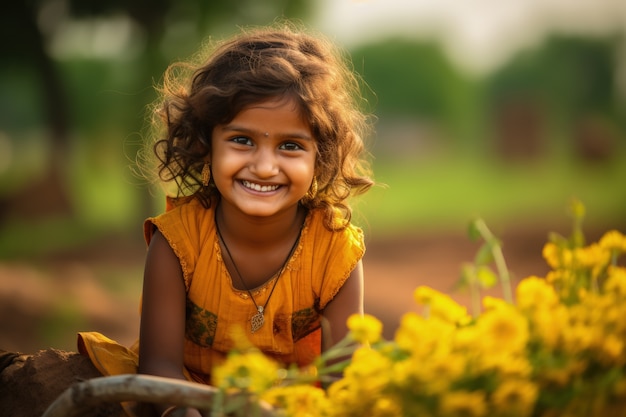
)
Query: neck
[{"x": 259, "y": 230}]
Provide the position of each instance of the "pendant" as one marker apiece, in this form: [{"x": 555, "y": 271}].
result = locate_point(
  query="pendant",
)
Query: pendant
[{"x": 257, "y": 320}]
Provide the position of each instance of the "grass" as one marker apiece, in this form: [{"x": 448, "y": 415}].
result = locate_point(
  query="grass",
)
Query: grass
[
  {"x": 23, "y": 238},
  {"x": 446, "y": 195}
]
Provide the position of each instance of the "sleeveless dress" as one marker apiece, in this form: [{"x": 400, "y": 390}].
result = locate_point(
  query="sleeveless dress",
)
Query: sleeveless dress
[{"x": 216, "y": 312}]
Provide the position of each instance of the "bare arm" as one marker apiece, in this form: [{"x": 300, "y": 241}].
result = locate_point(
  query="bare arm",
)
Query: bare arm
[
  {"x": 162, "y": 313},
  {"x": 348, "y": 301},
  {"x": 162, "y": 331}
]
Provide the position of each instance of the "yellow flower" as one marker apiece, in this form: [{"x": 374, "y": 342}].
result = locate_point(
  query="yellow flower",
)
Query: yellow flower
[
  {"x": 577, "y": 338},
  {"x": 441, "y": 306},
  {"x": 424, "y": 295},
  {"x": 440, "y": 371},
  {"x": 616, "y": 281},
  {"x": 463, "y": 404},
  {"x": 421, "y": 336},
  {"x": 504, "y": 330},
  {"x": 561, "y": 278},
  {"x": 409, "y": 334},
  {"x": 432, "y": 374},
  {"x": 344, "y": 400},
  {"x": 251, "y": 371},
  {"x": 361, "y": 388},
  {"x": 298, "y": 400},
  {"x": 468, "y": 339},
  {"x": 564, "y": 339},
  {"x": 365, "y": 328},
  {"x": 546, "y": 325},
  {"x": 515, "y": 398},
  {"x": 613, "y": 317},
  {"x": 493, "y": 303},
  {"x": 560, "y": 374},
  {"x": 558, "y": 257},
  {"x": 369, "y": 370},
  {"x": 385, "y": 406},
  {"x": 406, "y": 374},
  {"x": 506, "y": 365},
  {"x": 592, "y": 255},
  {"x": 613, "y": 240},
  {"x": 577, "y": 208},
  {"x": 534, "y": 292},
  {"x": 612, "y": 350},
  {"x": 552, "y": 254}
]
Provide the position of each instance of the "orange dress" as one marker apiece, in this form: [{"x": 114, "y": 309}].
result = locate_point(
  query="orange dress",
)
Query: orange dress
[{"x": 216, "y": 311}]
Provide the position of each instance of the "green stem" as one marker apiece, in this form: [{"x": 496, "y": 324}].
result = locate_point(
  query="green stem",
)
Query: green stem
[
  {"x": 344, "y": 347},
  {"x": 334, "y": 368},
  {"x": 475, "y": 295},
  {"x": 469, "y": 277},
  {"x": 498, "y": 258}
]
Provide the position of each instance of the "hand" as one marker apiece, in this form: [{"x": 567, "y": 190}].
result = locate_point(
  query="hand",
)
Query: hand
[
  {"x": 192, "y": 412},
  {"x": 181, "y": 412}
]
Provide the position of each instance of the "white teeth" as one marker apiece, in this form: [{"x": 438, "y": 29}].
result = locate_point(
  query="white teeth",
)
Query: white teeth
[{"x": 257, "y": 187}]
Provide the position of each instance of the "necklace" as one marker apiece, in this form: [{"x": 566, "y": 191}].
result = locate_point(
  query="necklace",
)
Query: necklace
[{"x": 258, "y": 319}]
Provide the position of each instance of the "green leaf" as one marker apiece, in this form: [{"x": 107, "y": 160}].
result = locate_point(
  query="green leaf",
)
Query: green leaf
[
  {"x": 486, "y": 277},
  {"x": 576, "y": 209},
  {"x": 558, "y": 239},
  {"x": 484, "y": 255},
  {"x": 466, "y": 279},
  {"x": 472, "y": 230}
]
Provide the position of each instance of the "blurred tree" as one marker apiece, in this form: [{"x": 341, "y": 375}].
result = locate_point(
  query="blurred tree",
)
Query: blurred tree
[
  {"x": 23, "y": 47},
  {"x": 407, "y": 77},
  {"x": 566, "y": 87},
  {"x": 416, "y": 81},
  {"x": 27, "y": 28}
]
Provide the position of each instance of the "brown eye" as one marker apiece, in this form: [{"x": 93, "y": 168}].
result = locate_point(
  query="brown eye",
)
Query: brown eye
[
  {"x": 290, "y": 146},
  {"x": 241, "y": 140}
]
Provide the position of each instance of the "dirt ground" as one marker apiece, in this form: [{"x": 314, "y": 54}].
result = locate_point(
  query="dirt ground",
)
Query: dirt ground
[{"x": 44, "y": 303}]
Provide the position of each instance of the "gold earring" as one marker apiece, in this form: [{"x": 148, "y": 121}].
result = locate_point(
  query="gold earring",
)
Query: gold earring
[
  {"x": 310, "y": 195},
  {"x": 206, "y": 174}
]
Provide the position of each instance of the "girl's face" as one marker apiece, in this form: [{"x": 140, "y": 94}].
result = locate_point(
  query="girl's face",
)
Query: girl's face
[{"x": 263, "y": 160}]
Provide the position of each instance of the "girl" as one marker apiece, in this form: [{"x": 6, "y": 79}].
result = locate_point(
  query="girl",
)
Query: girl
[{"x": 263, "y": 140}]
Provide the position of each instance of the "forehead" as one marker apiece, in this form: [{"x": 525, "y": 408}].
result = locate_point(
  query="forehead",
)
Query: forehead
[
  {"x": 280, "y": 116},
  {"x": 275, "y": 109},
  {"x": 285, "y": 102}
]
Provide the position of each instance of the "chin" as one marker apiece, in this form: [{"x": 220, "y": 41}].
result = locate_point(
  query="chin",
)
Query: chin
[{"x": 266, "y": 211}]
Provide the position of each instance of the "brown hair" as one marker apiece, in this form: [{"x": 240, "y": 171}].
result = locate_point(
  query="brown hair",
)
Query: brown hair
[{"x": 254, "y": 66}]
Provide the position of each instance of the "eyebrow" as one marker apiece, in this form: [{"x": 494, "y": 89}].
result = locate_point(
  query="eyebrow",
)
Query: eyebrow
[{"x": 252, "y": 132}]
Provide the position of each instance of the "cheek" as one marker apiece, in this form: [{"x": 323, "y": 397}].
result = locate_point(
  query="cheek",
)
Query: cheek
[
  {"x": 224, "y": 160},
  {"x": 305, "y": 171},
  {"x": 223, "y": 169}
]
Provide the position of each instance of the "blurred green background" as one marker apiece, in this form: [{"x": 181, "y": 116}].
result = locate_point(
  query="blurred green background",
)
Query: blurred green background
[{"x": 459, "y": 133}]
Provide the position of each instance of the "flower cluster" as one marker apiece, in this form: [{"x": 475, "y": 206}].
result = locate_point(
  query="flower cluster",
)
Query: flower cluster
[{"x": 558, "y": 350}]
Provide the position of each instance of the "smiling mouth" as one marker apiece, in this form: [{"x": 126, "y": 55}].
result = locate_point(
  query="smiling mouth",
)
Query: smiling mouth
[{"x": 258, "y": 187}]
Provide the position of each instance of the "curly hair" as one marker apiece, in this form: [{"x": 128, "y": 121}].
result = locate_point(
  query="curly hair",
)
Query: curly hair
[{"x": 254, "y": 66}]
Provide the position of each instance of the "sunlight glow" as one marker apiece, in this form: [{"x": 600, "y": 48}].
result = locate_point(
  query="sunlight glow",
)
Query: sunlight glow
[{"x": 480, "y": 35}]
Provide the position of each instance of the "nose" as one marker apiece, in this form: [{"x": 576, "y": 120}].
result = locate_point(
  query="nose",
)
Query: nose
[{"x": 264, "y": 163}]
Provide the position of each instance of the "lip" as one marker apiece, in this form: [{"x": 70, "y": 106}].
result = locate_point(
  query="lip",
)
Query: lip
[{"x": 257, "y": 187}]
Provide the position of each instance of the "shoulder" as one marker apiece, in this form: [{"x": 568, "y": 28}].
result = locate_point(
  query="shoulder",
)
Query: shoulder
[
  {"x": 186, "y": 227},
  {"x": 330, "y": 256},
  {"x": 316, "y": 222},
  {"x": 185, "y": 216},
  {"x": 350, "y": 234}
]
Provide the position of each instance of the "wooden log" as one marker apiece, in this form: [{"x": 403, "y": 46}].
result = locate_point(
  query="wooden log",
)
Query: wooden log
[{"x": 86, "y": 395}]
